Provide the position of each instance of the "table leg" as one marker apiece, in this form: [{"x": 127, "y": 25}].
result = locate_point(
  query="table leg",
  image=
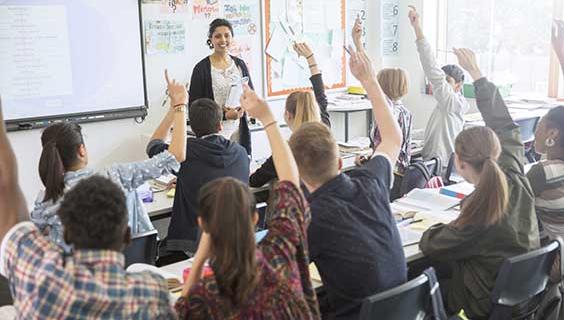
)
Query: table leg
[{"x": 346, "y": 126}]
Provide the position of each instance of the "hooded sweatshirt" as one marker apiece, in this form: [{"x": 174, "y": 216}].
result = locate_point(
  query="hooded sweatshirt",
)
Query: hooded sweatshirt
[{"x": 207, "y": 158}]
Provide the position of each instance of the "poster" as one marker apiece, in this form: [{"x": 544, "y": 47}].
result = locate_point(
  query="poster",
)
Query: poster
[
  {"x": 242, "y": 14},
  {"x": 390, "y": 27},
  {"x": 205, "y": 9},
  {"x": 165, "y": 37},
  {"x": 175, "y": 6}
]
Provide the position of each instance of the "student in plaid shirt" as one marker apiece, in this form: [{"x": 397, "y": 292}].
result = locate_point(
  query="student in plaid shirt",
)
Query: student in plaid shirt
[{"x": 91, "y": 283}]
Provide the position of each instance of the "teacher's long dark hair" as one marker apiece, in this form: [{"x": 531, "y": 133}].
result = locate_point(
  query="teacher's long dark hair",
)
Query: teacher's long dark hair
[{"x": 61, "y": 142}]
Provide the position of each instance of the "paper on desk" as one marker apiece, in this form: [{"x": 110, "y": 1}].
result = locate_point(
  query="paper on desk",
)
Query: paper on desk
[
  {"x": 141, "y": 267},
  {"x": 409, "y": 236},
  {"x": 428, "y": 200},
  {"x": 430, "y": 218}
]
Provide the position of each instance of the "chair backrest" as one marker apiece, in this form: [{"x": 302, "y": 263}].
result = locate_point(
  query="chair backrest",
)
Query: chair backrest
[
  {"x": 142, "y": 249},
  {"x": 411, "y": 300},
  {"x": 450, "y": 170},
  {"x": 418, "y": 174},
  {"x": 524, "y": 276},
  {"x": 527, "y": 128}
]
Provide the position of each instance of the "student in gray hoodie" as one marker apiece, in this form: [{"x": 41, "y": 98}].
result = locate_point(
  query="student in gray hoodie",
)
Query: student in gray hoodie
[{"x": 447, "y": 119}]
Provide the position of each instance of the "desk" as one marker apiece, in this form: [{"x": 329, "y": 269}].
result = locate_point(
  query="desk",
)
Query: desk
[{"x": 352, "y": 108}]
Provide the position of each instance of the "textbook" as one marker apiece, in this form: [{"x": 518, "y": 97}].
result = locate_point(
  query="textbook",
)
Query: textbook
[
  {"x": 459, "y": 190},
  {"x": 427, "y": 200}
]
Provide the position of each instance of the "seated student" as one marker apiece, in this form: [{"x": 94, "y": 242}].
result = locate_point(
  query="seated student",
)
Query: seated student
[
  {"x": 394, "y": 84},
  {"x": 353, "y": 238},
  {"x": 300, "y": 108},
  {"x": 208, "y": 156},
  {"x": 47, "y": 283},
  {"x": 266, "y": 281},
  {"x": 64, "y": 161},
  {"x": 547, "y": 177},
  {"x": 447, "y": 119},
  {"x": 497, "y": 220}
]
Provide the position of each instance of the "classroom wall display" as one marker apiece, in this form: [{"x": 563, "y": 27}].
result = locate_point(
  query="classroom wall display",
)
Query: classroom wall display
[
  {"x": 390, "y": 27},
  {"x": 164, "y": 36},
  {"x": 321, "y": 23},
  {"x": 63, "y": 59}
]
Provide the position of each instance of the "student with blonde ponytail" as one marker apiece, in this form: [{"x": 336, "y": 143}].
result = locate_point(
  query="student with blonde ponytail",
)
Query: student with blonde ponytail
[
  {"x": 301, "y": 107},
  {"x": 497, "y": 220}
]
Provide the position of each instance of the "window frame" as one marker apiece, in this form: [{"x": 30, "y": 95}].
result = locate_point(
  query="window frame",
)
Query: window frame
[{"x": 436, "y": 28}]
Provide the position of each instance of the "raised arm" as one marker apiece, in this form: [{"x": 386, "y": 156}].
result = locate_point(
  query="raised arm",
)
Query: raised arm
[
  {"x": 303, "y": 50},
  {"x": 284, "y": 161},
  {"x": 361, "y": 68},
  {"x": 494, "y": 112},
  {"x": 13, "y": 208},
  {"x": 357, "y": 34},
  {"x": 442, "y": 91}
]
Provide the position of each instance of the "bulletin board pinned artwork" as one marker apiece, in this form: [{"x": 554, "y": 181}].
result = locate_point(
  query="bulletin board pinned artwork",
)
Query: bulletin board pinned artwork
[{"x": 320, "y": 23}]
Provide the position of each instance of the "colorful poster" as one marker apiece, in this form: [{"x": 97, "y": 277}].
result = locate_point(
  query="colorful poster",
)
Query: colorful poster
[
  {"x": 241, "y": 13},
  {"x": 165, "y": 37},
  {"x": 205, "y": 9}
]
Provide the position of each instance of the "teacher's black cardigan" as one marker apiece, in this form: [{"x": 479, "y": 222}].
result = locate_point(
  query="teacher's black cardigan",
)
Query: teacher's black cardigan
[{"x": 201, "y": 87}]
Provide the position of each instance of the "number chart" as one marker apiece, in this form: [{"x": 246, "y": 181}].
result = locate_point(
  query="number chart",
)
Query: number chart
[{"x": 390, "y": 27}]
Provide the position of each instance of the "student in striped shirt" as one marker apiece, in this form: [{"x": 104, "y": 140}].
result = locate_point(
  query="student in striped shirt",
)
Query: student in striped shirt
[{"x": 547, "y": 176}]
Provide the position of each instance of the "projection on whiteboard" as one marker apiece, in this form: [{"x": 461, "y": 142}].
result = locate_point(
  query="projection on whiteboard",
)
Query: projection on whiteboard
[{"x": 60, "y": 57}]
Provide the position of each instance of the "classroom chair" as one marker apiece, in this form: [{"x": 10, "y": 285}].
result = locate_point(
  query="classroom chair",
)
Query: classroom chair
[
  {"x": 142, "y": 249},
  {"x": 418, "y": 175},
  {"x": 521, "y": 283},
  {"x": 416, "y": 299}
]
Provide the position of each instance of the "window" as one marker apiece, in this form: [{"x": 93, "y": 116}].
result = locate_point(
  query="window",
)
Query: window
[{"x": 510, "y": 37}]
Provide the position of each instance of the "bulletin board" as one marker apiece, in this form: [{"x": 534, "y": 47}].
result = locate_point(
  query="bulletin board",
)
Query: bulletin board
[{"x": 322, "y": 24}]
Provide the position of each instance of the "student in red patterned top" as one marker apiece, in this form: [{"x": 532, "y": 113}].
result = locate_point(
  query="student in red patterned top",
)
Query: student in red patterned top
[
  {"x": 266, "y": 281},
  {"x": 91, "y": 283}
]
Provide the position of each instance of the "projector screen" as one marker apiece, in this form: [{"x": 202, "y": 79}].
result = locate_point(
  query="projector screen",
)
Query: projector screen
[{"x": 70, "y": 58}]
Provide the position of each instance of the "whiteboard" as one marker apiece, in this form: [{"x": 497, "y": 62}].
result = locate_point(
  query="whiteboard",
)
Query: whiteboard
[{"x": 56, "y": 59}]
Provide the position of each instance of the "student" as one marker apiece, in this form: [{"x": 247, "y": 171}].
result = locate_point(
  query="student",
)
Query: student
[
  {"x": 447, "y": 120},
  {"x": 270, "y": 280},
  {"x": 46, "y": 283},
  {"x": 547, "y": 176},
  {"x": 64, "y": 162},
  {"x": 208, "y": 156},
  {"x": 301, "y": 107},
  {"x": 213, "y": 76},
  {"x": 497, "y": 220},
  {"x": 394, "y": 84},
  {"x": 353, "y": 238}
]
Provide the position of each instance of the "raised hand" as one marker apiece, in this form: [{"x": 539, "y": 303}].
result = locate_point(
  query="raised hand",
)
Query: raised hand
[
  {"x": 357, "y": 34},
  {"x": 255, "y": 106},
  {"x": 467, "y": 60},
  {"x": 176, "y": 91},
  {"x": 361, "y": 66},
  {"x": 414, "y": 17},
  {"x": 302, "y": 49}
]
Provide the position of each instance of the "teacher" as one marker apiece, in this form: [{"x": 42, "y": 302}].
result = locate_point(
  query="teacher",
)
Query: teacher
[{"x": 213, "y": 78}]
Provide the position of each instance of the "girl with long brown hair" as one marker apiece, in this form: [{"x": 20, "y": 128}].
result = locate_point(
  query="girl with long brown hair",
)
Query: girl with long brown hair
[
  {"x": 497, "y": 220},
  {"x": 269, "y": 280}
]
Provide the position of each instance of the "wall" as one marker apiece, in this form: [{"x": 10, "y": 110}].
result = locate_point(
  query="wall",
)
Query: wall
[{"x": 124, "y": 140}]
